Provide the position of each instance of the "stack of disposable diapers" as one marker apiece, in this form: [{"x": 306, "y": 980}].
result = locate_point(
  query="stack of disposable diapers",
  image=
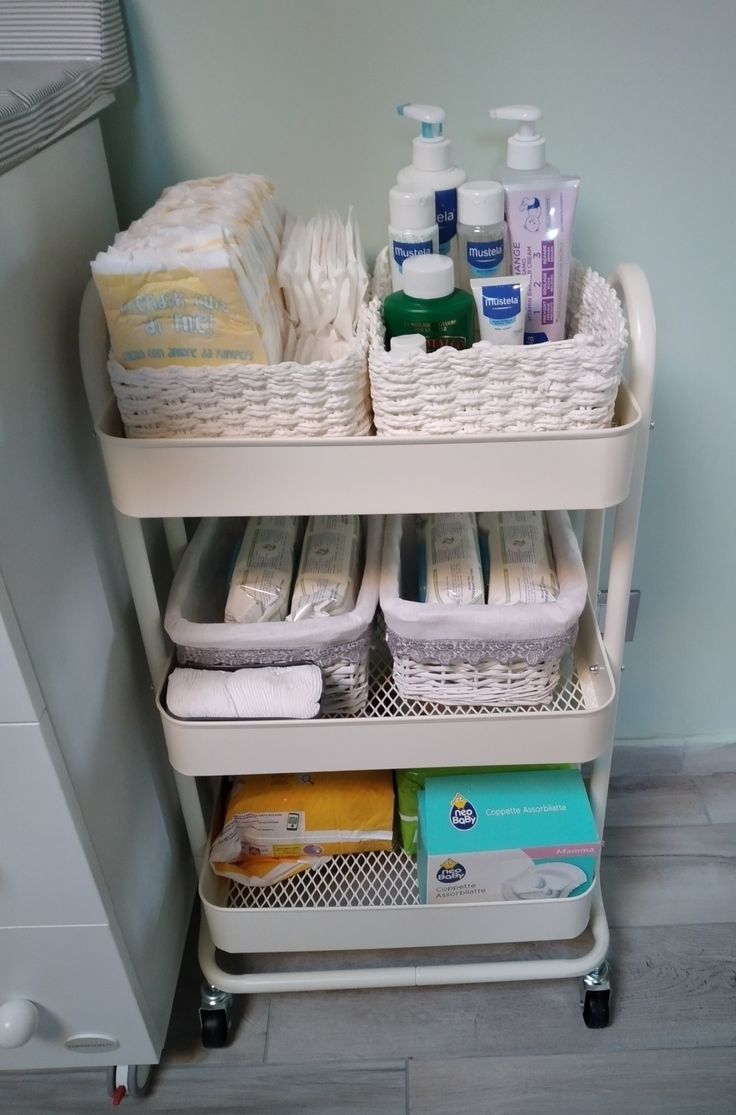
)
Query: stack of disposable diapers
[
  {"x": 193, "y": 282},
  {"x": 225, "y": 318},
  {"x": 286, "y": 603}
]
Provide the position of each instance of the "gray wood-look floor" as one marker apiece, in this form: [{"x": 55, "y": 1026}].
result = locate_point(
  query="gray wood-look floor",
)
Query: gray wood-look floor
[{"x": 669, "y": 883}]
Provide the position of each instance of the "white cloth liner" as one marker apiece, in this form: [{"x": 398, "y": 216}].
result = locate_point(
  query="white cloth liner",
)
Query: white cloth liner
[
  {"x": 269, "y": 692},
  {"x": 431, "y": 622},
  {"x": 199, "y": 588}
]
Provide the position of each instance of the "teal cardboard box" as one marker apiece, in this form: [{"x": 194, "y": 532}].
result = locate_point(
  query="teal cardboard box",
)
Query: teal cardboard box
[
  {"x": 505, "y": 837},
  {"x": 410, "y": 782}
]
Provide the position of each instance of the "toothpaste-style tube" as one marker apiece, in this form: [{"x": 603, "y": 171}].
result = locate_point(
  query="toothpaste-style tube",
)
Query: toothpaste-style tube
[
  {"x": 540, "y": 216},
  {"x": 501, "y": 303}
]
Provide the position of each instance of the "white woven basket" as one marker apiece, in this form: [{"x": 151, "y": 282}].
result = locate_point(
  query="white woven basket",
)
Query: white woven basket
[
  {"x": 560, "y": 385},
  {"x": 249, "y": 400},
  {"x": 339, "y": 645},
  {"x": 479, "y": 654}
]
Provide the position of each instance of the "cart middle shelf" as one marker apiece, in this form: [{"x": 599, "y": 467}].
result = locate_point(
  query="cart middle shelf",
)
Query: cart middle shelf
[{"x": 392, "y": 732}]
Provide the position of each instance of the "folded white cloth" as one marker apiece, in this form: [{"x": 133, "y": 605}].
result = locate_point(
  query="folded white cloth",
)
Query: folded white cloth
[{"x": 263, "y": 693}]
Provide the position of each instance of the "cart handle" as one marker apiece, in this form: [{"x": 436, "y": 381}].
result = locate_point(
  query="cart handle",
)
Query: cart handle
[{"x": 632, "y": 286}]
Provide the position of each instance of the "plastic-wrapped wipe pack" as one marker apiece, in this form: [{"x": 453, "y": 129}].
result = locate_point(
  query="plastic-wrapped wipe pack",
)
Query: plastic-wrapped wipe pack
[
  {"x": 328, "y": 578},
  {"x": 448, "y": 559},
  {"x": 264, "y": 569},
  {"x": 323, "y": 274},
  {"x": 277, "y": 824},
  {"x": 193, "y": 281},
  {"x": 521, "y": 565}
]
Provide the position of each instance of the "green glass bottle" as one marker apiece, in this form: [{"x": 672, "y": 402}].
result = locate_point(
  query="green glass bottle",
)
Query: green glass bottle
[{"x": 429, "y": 304}]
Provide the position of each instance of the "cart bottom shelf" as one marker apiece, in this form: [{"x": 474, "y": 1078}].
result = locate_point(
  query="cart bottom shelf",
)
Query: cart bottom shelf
[{"x": 371, "y": 901}]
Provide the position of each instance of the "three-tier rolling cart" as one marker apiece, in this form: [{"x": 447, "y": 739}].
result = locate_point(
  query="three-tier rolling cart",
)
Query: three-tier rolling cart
[{"x": 371, "y": 901}]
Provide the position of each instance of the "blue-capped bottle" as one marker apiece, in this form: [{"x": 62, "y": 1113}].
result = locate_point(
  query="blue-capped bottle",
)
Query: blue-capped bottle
[
  {"x": 412, "y": 229},
  {"x": 482, "y": 233},
  {"x": 431, "y": 169}
]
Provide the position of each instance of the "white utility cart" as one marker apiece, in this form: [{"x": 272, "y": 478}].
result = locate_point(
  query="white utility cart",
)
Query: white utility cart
[{"x": 371, "y": 901}]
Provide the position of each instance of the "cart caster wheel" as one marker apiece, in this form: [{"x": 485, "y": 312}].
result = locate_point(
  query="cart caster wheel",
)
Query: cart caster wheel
[
  {"x": 595, "y": 997},
  {"x": 215, "y": 1016},
  {"x": 128, "y": 1080},
  {"x": 214, "y": 1026},
  {"x": 596, "y": 1009}
]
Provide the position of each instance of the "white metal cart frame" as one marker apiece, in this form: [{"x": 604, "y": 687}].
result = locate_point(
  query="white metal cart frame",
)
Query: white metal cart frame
[{"x": 588, "y": 471}]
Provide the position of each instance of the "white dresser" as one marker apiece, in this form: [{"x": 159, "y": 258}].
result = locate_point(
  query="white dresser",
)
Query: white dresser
[{"x": 96, "y": 882}]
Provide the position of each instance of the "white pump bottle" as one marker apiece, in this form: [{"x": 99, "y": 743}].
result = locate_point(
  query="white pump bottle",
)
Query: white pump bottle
[
  {"x": 431, "y": 169},
  {"x": 525, "y": 149},
  {"x": 540, "y": 211}
]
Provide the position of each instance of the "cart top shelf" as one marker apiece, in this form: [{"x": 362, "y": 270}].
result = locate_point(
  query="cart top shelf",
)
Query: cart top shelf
[
  {"x": 152, "y": 478},
  {"x": 176, "y": 478}
]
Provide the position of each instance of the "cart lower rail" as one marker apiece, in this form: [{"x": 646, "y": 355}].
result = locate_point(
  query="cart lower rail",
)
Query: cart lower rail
[{"x": 414, "y": 975}]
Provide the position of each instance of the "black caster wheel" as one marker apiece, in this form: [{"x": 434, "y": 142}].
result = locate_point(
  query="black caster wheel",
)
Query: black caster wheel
[
  {"x": 215, "y": 1016},
  {"x": 128, "y": 1080},
  {"x": 215, "y": 1026},
  {"x": 596, "y": 1009}
]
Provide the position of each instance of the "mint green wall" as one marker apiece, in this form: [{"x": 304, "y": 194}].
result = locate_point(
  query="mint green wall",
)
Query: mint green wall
[{"x": 638, "y": 98}]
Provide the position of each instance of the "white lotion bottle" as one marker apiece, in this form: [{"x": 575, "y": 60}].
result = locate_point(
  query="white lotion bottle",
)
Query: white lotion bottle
[
  {"x": 412, "y": 229},
  {"x": 526, "y": 157},
  {"x": 431, "y": 169},
  {"x": 482, "y": 232},
  {"x": 540, "y": 211}
]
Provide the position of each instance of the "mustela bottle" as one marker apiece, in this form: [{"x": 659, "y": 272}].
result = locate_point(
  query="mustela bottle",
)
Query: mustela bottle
[
  {"x": 412, "y": 229},
  {"x": 482, "y": 232},
  {"x": 431, "y": 169},
  {"x": 429, "y": 304},
  {"x": 540, "y": 210}
]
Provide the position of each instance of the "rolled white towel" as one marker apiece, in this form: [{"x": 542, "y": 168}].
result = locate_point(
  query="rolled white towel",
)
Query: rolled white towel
[{"x": 262, "y": 693}]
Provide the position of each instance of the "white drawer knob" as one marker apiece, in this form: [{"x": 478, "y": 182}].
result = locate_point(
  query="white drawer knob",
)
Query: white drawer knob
[{"x": 18, "y": 1022}]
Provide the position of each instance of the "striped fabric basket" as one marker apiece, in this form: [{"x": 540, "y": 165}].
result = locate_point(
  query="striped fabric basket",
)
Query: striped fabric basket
[
  {"x": 339, "y": 645},
  {"x": 479, "y": 654},
  {"x": 561, "y": 385},
  {"x": 249, "y": 400}
]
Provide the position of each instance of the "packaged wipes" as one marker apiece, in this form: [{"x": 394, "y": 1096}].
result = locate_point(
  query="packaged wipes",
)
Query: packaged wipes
[
  {"x": 290, "y": 816},
  {"x": 449, "y": 559},
  {"x": 521, "y": 565},
  {"x": 263, "y": 570},
  {"x": 328, "y": 578}
]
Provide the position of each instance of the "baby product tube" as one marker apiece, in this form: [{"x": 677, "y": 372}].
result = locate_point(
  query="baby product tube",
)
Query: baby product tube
[
  {"x": 501, "y": 304},
  {"x": 540, "y": 217}
]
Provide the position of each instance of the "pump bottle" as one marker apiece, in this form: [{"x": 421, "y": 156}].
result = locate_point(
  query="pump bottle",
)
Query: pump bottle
[
  {"x": 540, "y": 211},
  {"x": 431, "y": 168},
  {"x": 526, "y": 149}
]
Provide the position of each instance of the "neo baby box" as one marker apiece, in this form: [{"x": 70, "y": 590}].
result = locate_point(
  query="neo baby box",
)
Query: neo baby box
[{"x": 505, "y": 836}]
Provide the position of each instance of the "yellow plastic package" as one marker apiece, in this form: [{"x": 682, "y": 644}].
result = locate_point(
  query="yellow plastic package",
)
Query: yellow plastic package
[
  {"x": 289, "y": 816},
  {"x": 261, "y": 871}
]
